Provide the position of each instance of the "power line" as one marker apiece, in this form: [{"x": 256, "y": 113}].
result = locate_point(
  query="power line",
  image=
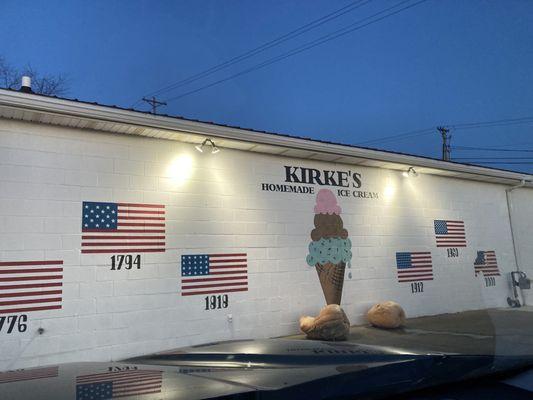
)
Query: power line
[
  {"x": 265, "y": 46},
  {"x": 467, "y": 148},
  {"x": 495, "y": 123},
  {"x": 326, "y": 38},
  {"x": 466, "y": 125},
  {"x": 405, "y": 135}
]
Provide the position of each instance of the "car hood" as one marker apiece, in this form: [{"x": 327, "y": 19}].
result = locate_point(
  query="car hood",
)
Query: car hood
[{"x": 276, "y": 368}]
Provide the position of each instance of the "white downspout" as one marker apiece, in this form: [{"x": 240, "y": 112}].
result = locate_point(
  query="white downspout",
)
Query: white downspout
[{"x": 509, "y": 210}]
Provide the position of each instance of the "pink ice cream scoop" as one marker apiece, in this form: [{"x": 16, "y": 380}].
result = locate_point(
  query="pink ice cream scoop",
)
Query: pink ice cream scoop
[{"x": 326, "y": 203}]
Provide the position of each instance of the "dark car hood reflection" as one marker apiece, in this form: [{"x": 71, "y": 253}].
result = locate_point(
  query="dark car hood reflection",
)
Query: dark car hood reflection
[{"x": 276, "y": 368}]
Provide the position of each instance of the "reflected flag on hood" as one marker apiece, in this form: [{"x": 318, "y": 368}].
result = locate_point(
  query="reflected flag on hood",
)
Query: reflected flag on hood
[
  {"x": 28, "y": 374},
  {"x": 116, "y": 384}
]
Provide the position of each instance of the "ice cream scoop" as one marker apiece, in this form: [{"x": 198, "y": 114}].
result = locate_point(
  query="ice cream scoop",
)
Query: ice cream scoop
[
  {"x": 328, "y": 226},
  {"x": 333, "y": 250},
  {"x": 326, "y": 203}
]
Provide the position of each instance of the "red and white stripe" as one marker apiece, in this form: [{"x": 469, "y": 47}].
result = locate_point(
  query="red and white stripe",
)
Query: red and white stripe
[
  {"x": 127, "y": 383},
  {"x": 30, "y": 286},
  {"x": 421, "y": 269},
  {"x": 227, "y": 273},
  {"x": 490, "y": 268},
  {"x": 28, "y": 374},
  {"x": 456, "y": 236},
  {"x": 140, "y": 229}
]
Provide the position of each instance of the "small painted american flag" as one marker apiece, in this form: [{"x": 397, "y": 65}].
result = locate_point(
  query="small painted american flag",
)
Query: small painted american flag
[
  {"x": 486, "y": 263},
  {"x": 213, "y": 273},
  {"x": 115, "y": 384},
  {"x": 122, "y": 228},
  {"x": 28, "y": 374},
  {"x": 414, "y": 266},
  {"x": 450, "y": 233},
  {"x": 30, "y": 286}
]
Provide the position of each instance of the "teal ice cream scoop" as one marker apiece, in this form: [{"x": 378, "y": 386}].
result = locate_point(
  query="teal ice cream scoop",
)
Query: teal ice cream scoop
[{"x": 333, "y": 250}]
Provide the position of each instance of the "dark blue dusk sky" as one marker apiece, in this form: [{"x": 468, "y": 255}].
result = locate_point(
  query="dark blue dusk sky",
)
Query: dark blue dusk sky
[{"x": 441, "y": 62}]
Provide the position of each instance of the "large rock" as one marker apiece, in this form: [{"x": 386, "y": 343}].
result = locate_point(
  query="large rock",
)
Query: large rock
[
  {"x": 387, "y": 314},
  {"x": 331, "y": 324}
]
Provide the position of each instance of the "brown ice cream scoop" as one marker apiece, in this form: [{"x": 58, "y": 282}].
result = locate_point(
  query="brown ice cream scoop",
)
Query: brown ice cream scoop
[{"x": 327, "y": 226}]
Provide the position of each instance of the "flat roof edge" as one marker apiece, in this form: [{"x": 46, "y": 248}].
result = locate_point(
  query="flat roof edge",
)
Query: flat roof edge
[{"x": 74, "y": 108}]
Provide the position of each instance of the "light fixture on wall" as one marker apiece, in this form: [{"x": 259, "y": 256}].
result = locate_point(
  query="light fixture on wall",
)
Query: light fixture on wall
[
  {"x": 410, "y": 173},
  {"x": 214, "y": 148}
]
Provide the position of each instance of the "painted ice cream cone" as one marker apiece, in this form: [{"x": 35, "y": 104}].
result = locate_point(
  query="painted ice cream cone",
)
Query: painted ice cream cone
[
  {"x": 331, "y": 278},
  {"x": 330, "y": 249}
]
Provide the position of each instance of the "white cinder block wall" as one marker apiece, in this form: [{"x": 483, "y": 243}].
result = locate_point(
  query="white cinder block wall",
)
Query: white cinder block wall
[{"x": 214, "y": 204}]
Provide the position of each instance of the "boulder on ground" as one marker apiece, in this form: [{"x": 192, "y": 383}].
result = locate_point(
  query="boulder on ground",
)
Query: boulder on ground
[
  {"x": 387, "y": 314},
  {"x": 331, "y": 324}
]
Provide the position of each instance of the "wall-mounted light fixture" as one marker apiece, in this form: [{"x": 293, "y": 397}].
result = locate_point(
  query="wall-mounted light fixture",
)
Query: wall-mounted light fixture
[
  {"x": 410, "y": 173},
  {"x": 214, "y": 148}
]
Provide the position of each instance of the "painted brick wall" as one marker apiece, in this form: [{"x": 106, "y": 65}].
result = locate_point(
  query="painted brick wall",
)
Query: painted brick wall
[{"x": 213, "y": 204}]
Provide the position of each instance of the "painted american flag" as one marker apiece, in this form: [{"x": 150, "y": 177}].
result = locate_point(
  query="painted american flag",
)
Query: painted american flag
[
  {"x": 122, "y": 228},
  {"x": 30, "y": 286},
  {"x": 450, "y": 233},
  {"x": 414, "y": 266},
  {"x": 28, "y": 374},
  {"x": 116, "y": 384},
  {"x": 213, "y": 273},
  {"x": 486, "y": 263}
]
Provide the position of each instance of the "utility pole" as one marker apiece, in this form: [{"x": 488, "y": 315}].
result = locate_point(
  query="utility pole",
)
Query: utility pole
[
  {"x": 154, "y": 103},
  {"x": 445, "y": 142}
]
